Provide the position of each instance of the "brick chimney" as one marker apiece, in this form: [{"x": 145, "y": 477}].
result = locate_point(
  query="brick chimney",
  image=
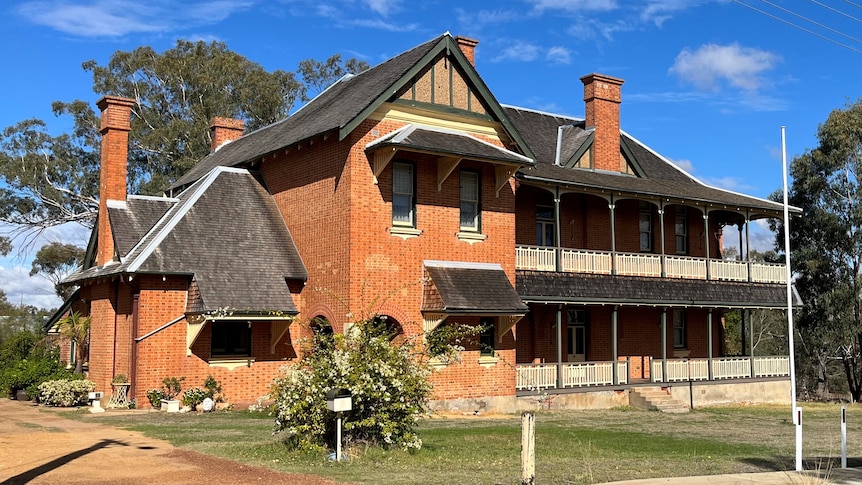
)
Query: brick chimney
[
  {"x": 468, "y": 47},
  {"x": 223, "y": 130},
  {"x": 115, "y": 127},
  {"x": 602, "y": 95}
]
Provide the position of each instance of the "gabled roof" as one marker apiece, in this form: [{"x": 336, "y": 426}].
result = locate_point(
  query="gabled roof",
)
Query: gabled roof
[
  {"x": 133, "y": 218},
  {"x": 657, "y": 176},
  {"x": 443, "y": 141},
  {"x": 345, "y": 104},
  {"x": 227, "y": 232}
]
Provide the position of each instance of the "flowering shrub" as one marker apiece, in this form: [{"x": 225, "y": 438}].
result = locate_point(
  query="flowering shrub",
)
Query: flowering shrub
[
  {"x": 65, "y": 393},
  {"x": 388, "y": 383},
  {"x": 155, "y": 397},
  {"x": 194, "y": 396}
]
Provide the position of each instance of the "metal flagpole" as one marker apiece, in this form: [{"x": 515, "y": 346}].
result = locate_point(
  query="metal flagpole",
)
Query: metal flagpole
[{"x": 787, "y": 275}]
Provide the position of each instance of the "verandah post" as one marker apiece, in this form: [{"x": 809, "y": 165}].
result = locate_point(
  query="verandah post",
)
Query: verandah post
[
  {"x": 709, "y": 341},
  {"x": 559, "y": 346},
  {"x": 664, "y": 344},
  {"x": 614, "y": 349}
]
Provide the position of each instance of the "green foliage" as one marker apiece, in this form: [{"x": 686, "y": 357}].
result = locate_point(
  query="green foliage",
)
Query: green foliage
[
  {"x": 388, "y": 384},
  {"x": 172, "y": 386},
  {"x": 827, "y": 252},
  {"x": 194, "y": 396},
  {"x": 76, "y": 328},
  {"x": 27, "y": 360},
  {"x": 155, "y": 397},
  {"x": 319, "y": 75},
  {"x": 65, "y": 393},
  {"x": 120, "y": 379},
  {"x": 55, "y": 261},
  {"x": 447, "y": 340},
  {"x": 213, "y": 388}
]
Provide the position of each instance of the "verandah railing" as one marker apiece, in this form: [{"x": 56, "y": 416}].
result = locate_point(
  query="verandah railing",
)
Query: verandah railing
[
  {"x": 541, "y": 258},
  {"x": 722, "y": 368},
  {"x": 587, "y": 374}
]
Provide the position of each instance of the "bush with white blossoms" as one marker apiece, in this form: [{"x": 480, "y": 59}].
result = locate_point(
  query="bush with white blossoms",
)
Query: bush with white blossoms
[
  {"x": 66, "y": 393},
  {"x": 389, "y": 385}
]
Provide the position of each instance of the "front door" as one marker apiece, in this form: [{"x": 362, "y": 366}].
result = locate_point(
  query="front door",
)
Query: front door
[{"x": 577, "y": 345}]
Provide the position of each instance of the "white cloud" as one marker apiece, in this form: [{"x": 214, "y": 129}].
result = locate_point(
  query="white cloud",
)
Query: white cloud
[
  {"x": 711, "y": 65},
  {"x": 20, "y": 287},
  {"x": 659, "y": 11},
  {"x": 477, "y": 19},
  {"x": 519, "y": 51},
  {"x": 383, "y": 7},
  {"x": 559, "y": 55},
  {"x": 729, "y": 183},
  {"x": 110, "y": 18},
  {"x": 574, "y": 5}
]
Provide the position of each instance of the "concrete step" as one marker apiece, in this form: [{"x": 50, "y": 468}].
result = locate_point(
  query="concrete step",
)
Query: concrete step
[{"x": 654, "y": 398}]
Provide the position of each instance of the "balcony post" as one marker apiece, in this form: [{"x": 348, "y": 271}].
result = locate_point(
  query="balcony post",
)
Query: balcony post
[
  {"x": 706, "y": 237},
  {"x": 661, "y": 232},
  {"x": 709, "y": 341},
  {"x": 750, "y": 340},
  {"x": 614, "y": 348},
  {"x": 747, "y": 244},
  {"x": 611, "y": 207},
  {"x": 559, "y": 346},
  {"x": 558, "y": 256},
  {"x": 664, "y": 344}
]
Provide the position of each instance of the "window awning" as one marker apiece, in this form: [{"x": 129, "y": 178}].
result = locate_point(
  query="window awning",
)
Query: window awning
[
  {"x": 450, "y": 146},
  {"x": 460, "y": 288}
]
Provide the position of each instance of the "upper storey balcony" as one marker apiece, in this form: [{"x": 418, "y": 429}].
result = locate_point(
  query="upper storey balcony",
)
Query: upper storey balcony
[{"x": 590, "y": 232}]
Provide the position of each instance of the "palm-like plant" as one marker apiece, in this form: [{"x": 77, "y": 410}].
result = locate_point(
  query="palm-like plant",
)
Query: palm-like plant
[{"x": 76, "y": 328}]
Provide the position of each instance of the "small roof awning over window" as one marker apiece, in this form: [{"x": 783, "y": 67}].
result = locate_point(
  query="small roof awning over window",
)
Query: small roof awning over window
[
  {"x": 459, "y": 288},
  {"x": 450, "y": 147}
]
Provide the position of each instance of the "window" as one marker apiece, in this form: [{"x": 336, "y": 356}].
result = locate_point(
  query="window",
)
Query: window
[
  {"x": 231, "y": 338},
  {"x": 544, "y": 225},
  {"x": 403, "y": 200},
  {"x": 486, "y": 338},
  {"x": 645, "y": 227},
  {"x": 470, "y": 215},
  {"x": 577, "y": 317},
  {"x": 680, "y": 228},
  {"x": 679, "y": 330}
]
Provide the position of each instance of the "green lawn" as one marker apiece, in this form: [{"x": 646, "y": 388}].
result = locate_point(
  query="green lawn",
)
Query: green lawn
[{"x": 571, "y": 446}]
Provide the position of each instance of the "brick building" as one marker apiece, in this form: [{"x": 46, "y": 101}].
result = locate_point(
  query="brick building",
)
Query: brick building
[{"x": 409, "y": 191}]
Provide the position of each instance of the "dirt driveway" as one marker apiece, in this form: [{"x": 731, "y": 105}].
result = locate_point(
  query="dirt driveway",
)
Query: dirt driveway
[{"x": 39, "y": 447}]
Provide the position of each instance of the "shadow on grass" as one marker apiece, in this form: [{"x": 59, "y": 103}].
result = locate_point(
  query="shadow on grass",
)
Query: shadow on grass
[
  {"x": 29, "y": 475},
  {"x": 788, "y": 463}
]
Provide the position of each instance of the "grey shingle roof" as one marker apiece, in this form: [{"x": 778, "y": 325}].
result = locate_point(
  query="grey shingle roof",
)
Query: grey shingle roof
[
  {"x": 448, "y": 142},
  {"x": 473, "y": 288},
  {"x": 539, "y": 286},
  {"x": 132, "y": 221},
  {"x": 659, "y": 177},
  {"x": 228, "y": 233},
  {"x": 332, "y": 109}
]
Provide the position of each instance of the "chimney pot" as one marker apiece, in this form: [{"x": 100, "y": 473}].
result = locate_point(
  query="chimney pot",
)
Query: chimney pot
[
  {"x": 223, "y": 130},
  {"x": 468, "y": 47}
]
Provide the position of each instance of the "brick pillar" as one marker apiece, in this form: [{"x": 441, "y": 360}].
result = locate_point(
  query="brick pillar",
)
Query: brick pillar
[
  {"x": 223, "y": 130},
  {"x": 115, "y": 127},
  {"x": 602, "y": 95},
  {"x": 468, "y": 47}
]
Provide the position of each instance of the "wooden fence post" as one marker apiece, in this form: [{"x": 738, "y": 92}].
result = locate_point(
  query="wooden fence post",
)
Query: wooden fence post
[{"x": 528, "y": 448}]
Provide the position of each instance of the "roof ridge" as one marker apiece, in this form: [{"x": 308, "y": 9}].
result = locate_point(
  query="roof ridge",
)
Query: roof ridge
[{"x": 537, "y": 111}]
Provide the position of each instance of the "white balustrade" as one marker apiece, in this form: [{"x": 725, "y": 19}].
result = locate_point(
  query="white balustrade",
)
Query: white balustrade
[
  {"x": 771, "y": 366},
  {"x": 536, "y": 376},
  {"x": 536, "y": 258},
  {"x": 578, "y": 261},
  {"x": 731, "y": 368},
  {"x": 633, "y": 264},
  {"x": 768, "y": 273},
  {"x": 728, "y": 270},
  {"x": 683, "y": 267}
]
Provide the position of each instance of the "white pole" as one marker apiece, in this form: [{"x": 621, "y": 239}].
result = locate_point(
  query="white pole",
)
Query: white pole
[
  {"x": 787, "y": 276},
  {"x": 843, "y": 437},
  {"x": 798, "y": 439},
  {"x": 338, "y": 438}
]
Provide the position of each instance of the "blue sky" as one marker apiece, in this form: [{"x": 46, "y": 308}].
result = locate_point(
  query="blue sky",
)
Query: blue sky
[{"x": 708, "y": 83}]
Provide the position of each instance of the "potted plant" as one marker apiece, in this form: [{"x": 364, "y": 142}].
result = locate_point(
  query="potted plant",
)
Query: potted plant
[{"x": 172, "y": 387}]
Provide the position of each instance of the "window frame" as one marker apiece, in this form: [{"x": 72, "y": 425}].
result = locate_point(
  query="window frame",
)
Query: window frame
[
  {"x": 477, "y": 203},
  {"x": 645, "y": 215},
  {"x": 412, "y": 195},
  {"x": 487, "y": 339},
  {"x": 680, "y": 330},
  {"x": 681, "y": 219},
  {"x": 231, "y": 329},
  {"x": 542, "y": 224}
]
